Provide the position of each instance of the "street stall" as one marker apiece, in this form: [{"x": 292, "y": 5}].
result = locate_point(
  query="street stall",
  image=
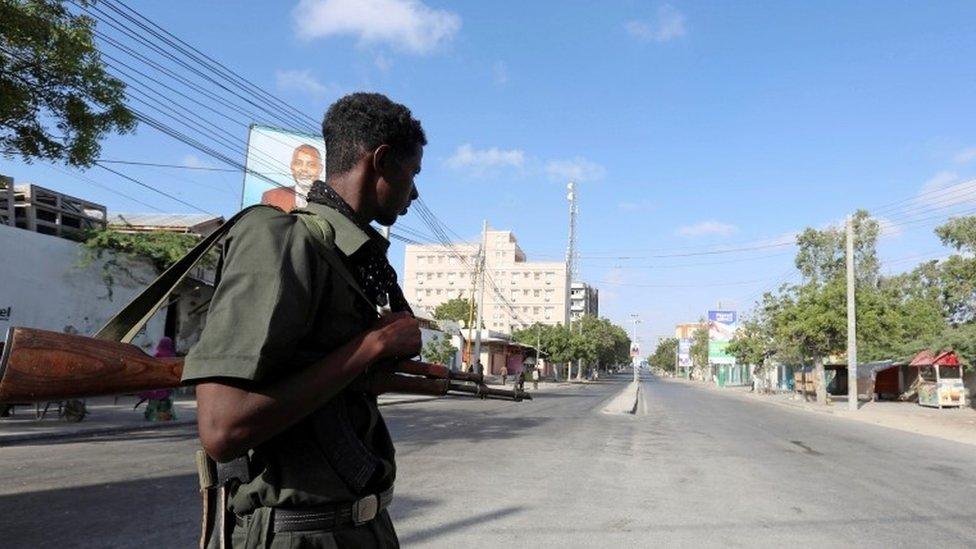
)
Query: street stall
[{"x": 939, "y": 381}]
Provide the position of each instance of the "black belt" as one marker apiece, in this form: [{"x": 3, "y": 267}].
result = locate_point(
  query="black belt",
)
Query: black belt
[{"x": 327, "y": 518}]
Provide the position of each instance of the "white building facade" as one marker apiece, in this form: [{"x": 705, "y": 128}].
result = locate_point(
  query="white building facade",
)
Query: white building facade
[
  {"x": 583, "y": 300},
  {"x": 518, "y": 292}
]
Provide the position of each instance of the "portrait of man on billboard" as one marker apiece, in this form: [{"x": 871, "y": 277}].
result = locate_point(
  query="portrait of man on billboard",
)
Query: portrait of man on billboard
[{"x": 306, "y": 166}]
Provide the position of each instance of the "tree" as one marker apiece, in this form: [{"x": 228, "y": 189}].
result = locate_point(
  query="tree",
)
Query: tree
[
  {"x": 457, "y": 309},
  {"x": 57, "y": 101},
  {"x": 665, "y": 355},
  {"x": 161, "y": 247},
  {"x": 439, "y": 350},
  {"x": 699, "y": 348}
]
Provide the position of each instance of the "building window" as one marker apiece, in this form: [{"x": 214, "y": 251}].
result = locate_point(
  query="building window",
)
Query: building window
[
  {"x": 548, "y": 313},
  {"x": 428, "y": 292},
  {"x": 419, "y": 294},
  {"x": 537, "y": 276},
  {"x": 536, "y": 293},
  {"x": 535, "y": 310},
  {"x": 430, "y": 276},
  {"x": 514, "y": 295}
]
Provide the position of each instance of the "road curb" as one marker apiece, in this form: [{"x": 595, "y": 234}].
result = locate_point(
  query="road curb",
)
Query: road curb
[
  {"x": 625, "y": 402},
  {"x": 31, "y": 437},
  {"x": 12, "y": 440}
]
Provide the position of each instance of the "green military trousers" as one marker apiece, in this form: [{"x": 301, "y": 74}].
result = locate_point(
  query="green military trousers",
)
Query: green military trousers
[{"x": 258, "y": 533}]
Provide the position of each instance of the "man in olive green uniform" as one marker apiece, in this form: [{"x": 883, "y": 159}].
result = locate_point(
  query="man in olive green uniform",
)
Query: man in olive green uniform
[{"x": 291, "y": 331}]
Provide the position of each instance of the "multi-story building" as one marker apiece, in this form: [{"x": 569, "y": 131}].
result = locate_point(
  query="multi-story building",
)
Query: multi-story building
[
  {"x": 518, "y": 293},
  {"x": 6, "y": 201},
  {"x": 583, "y": 300},
  {"x": 44, "y": 211}
]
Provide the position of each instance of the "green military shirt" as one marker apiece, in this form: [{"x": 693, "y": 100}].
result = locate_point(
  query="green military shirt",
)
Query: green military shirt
[{"x": 278, "y": 306}]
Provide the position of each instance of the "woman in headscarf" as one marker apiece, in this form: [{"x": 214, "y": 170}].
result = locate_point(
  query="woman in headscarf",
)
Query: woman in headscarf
[{"x": 160, "y": 401}]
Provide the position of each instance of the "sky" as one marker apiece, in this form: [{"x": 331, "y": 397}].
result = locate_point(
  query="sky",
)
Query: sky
[{"x": 702, "y": 135}]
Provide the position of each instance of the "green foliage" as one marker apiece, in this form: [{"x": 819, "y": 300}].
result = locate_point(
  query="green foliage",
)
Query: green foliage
[
  {"x": 56, "y": 99},
  {"x": 699, "y": 345},
  {"x": 600, "y": 342},
  {"x": 665, "y": 355},
  {"x": 457, "y": 309},
  {"x": 162, "y": 248},
  {"x": 439, "y": 350}
]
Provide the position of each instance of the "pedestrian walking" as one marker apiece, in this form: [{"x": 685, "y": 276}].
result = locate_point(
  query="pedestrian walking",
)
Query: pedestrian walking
[
  {"x": 535, "y": 378},
  {"x": 304, "y": 453},
  {"x": 504, "y": 375}
]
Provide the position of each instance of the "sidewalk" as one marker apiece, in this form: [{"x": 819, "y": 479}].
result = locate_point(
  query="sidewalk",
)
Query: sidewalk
[
  {"x": 107, "y": 417},
  {"x": 955, "y": 424},
  {"x": 104, "y": 416}
]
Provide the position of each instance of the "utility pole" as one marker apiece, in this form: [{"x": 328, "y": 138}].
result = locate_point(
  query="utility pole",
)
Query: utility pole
[
  {"x": 851, "y": 320},
  {"x": 476, "y": 359},
  {"x": 570, "y": 265},
  {"x": 635, "y": 363}
]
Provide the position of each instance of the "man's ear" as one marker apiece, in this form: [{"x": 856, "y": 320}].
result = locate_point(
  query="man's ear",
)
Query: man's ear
[{"x": 382, "y": 159}]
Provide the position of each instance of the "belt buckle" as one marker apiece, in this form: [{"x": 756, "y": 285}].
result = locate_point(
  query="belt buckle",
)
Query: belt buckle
[{"x": 365, "y": 509}]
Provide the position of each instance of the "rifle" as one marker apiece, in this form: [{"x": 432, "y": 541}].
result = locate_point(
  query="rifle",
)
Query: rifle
[{"x": 40, "y": 365}]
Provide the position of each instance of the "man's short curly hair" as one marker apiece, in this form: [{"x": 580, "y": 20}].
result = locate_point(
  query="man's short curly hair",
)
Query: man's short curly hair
[{"x": 360, "y": 122}]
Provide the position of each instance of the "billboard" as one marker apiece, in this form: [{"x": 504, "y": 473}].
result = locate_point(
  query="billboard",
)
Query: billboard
[
  {"x": 684, "y": 353},
  {"x": 721, "y": 329},
  {"x": 280, "y": 167}
]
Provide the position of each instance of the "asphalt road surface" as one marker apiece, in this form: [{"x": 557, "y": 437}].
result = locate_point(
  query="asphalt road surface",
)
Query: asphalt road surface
[{"x": 692, "y": 468}]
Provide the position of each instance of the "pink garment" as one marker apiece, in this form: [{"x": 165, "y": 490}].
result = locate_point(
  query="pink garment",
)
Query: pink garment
[{"x": 164, "y": 349}]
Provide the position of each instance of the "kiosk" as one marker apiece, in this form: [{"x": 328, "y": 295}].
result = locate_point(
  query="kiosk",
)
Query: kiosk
[{"x": 939, "y": 379}]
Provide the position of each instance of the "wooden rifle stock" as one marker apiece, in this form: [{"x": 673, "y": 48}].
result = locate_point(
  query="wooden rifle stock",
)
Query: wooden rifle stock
[{"x": 40, "y": 365}]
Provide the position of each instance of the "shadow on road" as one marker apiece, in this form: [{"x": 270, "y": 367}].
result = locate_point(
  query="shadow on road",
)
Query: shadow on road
[
  {"x": 431, "y": 425},
  {"x": 405, "y": 507},
  {"x": 154, "y": 509}
]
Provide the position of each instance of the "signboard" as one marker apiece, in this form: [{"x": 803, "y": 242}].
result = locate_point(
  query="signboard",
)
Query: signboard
[
  {"x": 721, "y": 330},
  {"x": 281, "y": 166},
  {"x": 684, "y": 353}
]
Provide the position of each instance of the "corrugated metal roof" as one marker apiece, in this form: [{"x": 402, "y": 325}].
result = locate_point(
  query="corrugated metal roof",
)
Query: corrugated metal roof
[{"x": 161, "y": 219}]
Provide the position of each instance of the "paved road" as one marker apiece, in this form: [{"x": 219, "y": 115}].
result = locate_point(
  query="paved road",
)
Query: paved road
[{"x": 692, "y": 468}]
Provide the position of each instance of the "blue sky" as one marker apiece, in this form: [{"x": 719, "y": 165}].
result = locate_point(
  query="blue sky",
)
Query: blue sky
[{"x": 691, "y": 127}]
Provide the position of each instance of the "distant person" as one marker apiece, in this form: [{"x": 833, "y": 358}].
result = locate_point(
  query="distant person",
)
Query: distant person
[
  {"x": 306, "y": 168},
  {"x": 504, "y": 375},
  {"x": 159, "y": 402},
  {"x": 535, "y": 378}
]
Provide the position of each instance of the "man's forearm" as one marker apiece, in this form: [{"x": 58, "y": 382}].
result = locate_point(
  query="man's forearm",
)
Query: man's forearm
[{"x": 232, "y": 419}]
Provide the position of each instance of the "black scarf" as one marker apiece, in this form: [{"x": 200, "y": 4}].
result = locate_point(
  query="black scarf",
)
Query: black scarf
[{"x": 374, "y": 273}]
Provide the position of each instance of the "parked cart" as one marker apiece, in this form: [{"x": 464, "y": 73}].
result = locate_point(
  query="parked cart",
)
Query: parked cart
[{"x": 939, "y": 379}]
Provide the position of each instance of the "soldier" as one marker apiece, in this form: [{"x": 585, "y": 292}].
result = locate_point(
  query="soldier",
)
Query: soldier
[{"x": 291, "y": 331}]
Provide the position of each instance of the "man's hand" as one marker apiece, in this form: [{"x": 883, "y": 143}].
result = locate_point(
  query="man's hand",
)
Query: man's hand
[{"x": 397, "y": 336}]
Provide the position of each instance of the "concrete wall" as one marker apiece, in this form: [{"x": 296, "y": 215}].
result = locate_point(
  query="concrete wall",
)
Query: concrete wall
[{"x": 44, "y": 285}]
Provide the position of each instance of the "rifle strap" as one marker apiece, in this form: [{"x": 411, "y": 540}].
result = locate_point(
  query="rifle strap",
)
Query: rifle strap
[
  {"x": 129, "y": 321},
  {"x": 126, "y": 323}
]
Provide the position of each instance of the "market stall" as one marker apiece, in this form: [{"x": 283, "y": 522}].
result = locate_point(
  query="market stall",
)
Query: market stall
[{"x": 939, "y": 379}]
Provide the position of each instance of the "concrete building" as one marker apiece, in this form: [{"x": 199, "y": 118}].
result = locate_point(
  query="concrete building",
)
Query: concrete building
[
  {"x": 518, "y": 294},
  {"x": 583, "y": 300},
  {"x": 685, "y": 329},
  {"x": 41, "y": 210},
  {"x": 198, "y": 224},
  {"x": 6, "y": 201}
]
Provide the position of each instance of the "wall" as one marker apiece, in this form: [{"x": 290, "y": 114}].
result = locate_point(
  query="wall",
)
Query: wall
[{"x": 43, "y": 285}]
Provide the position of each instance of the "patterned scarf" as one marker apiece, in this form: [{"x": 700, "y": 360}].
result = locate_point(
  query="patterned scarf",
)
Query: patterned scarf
[{"x": 374, "y": 273}]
